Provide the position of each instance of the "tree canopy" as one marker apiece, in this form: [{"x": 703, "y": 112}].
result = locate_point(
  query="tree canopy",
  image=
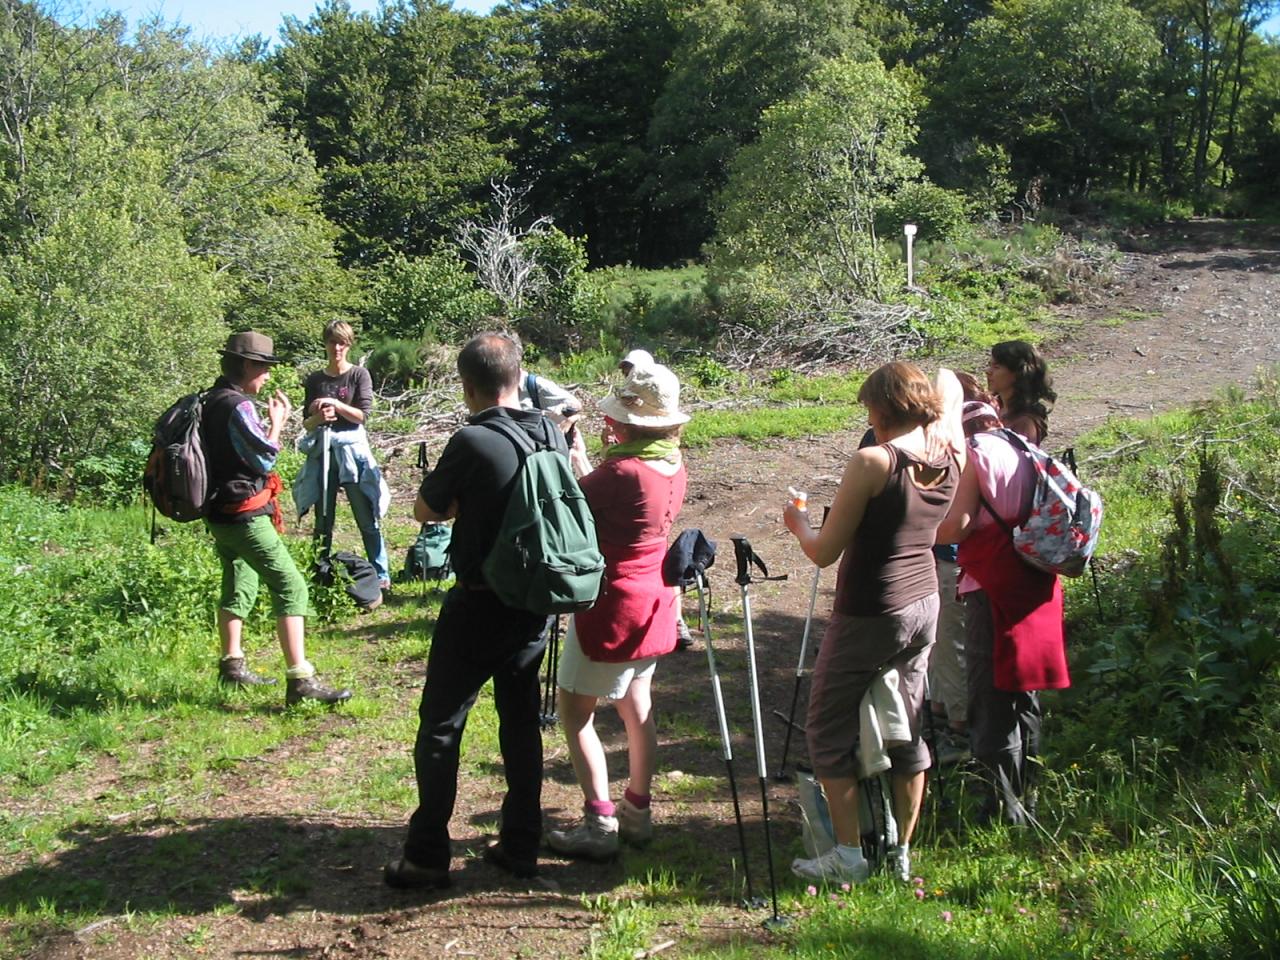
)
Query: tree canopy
[{"x": 156, "y": 193}]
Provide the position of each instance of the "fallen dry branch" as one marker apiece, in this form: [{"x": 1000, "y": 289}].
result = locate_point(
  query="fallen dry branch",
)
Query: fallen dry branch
[{"x": 820, "y": 330}]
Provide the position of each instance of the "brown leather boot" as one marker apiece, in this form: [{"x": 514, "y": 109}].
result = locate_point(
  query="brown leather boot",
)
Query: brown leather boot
[
  {"x": 310, "y": 688},
  {"x": 233, "y": 672}
]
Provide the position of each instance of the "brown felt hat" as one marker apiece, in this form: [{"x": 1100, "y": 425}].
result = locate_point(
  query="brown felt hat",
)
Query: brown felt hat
[{"x": 252, "y": 346}]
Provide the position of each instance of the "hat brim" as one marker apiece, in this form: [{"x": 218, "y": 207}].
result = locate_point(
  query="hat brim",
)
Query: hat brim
[
  {"x": 253, "y": 355},
  {"x": 615, "y": 409}
]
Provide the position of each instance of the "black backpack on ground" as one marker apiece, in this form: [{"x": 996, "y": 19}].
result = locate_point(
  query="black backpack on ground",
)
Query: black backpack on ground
[{"x": 359, "y": 576}]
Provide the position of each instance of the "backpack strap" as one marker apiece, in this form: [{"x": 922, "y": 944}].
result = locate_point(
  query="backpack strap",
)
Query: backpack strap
[
  {"x": 982, "y": 502},
  {"x": 531, "y": 388},
  {"x": 1018, "y": 443}
]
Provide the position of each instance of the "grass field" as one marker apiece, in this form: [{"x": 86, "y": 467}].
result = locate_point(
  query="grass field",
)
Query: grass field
[{"x": 133, "y": 790}]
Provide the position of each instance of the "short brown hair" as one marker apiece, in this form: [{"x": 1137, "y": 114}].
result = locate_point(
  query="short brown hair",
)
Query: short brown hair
[
  {"x": 339, "y": 331},
  {"x": 902, "y": 394},
  {"x": 490, "y": 363}
]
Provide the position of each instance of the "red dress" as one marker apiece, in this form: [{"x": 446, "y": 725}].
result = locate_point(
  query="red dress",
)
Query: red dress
[
  {"x": 635, "y": 507},
  {"x": 1026, "y": 613}
]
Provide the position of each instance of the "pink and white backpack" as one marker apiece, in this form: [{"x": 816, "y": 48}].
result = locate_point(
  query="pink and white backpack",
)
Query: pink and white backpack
[{"x": 1060, "y": 532}]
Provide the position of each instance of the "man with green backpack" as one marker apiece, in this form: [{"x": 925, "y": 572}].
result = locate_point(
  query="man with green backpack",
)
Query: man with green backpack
[{"x": 523, "y": 547}]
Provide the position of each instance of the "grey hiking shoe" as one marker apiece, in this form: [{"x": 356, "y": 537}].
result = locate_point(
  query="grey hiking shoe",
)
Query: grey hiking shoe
[
  {"x": 635, "y": 826},
  {"x": 684, "y": 639},
  {"x": 830, "y": 867},
  {"x": 310, "y": 688},
  {"x": 233, "y": 672},
  {"x": 596, "y": 838}
]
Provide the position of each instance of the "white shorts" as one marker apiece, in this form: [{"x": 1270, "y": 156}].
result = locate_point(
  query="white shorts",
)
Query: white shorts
[{"x": 592, "y": 678}]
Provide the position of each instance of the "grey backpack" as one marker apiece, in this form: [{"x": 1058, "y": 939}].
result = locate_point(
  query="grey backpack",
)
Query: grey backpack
[{"x": 176, "y": 476}]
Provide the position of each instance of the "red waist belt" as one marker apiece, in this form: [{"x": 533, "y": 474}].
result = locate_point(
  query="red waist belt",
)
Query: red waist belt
[{"x": 269, "y": 494}]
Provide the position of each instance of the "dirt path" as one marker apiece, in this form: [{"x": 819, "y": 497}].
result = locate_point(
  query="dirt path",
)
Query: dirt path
[{"x": 1196, "y": 316}]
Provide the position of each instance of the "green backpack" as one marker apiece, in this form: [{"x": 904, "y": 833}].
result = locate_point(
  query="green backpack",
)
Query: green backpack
[
  {"x": 428, "y": 557},
  {"x": 545, "y": 558}
]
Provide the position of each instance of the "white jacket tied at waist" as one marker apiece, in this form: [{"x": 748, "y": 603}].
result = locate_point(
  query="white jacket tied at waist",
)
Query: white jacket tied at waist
[
  {"x": 883, "y": 723},
  {"x": 351, "y": 452}
]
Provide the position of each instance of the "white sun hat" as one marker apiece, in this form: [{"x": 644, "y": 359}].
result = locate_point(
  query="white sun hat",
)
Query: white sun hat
[
  {"x": 636, "y": 358},
  {"x": 648, "y": 397}
]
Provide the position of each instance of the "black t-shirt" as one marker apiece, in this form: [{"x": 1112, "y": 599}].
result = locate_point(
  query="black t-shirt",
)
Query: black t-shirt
[
  {"x": 354, "y": 388},
  {"x": 478, "y": 469}
]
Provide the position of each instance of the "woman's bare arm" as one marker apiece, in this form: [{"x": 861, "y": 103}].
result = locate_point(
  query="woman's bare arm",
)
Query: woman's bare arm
[{"x": 864, "y": 477}]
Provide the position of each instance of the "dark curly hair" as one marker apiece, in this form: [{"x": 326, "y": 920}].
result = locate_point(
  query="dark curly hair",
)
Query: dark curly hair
[{"x": 1033, "y": 393}]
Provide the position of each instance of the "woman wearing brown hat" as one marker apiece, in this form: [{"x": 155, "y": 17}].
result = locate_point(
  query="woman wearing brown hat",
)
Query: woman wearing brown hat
[
  {"x": 612, "y": 649},
  {"x": 245, "y": 519}
]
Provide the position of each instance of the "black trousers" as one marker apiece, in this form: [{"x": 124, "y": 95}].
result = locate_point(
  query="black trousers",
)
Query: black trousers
[
  {"x": 1004, "y": 727},
  {"x": 476, "y": 638}
]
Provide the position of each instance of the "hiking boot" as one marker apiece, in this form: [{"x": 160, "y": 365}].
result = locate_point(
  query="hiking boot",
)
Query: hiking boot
[
  {"x": 406, "y": 875},
  {"x": 898, "y": 863},
  {"x": 635, "y": 826},
  {"x": 310, "y": 688},
  {"x": 497, "y": 855},
  {"x": 953, "y": 748},
  {"x": 233, "y": 672},
  {"x": 831, "y": 867},
  {"x": 596, "y": 838},
  {"x": 684, "y": 639}
]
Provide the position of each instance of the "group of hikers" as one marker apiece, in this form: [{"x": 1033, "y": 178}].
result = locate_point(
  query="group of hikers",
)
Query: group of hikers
[{"x": 920, "y": 523}]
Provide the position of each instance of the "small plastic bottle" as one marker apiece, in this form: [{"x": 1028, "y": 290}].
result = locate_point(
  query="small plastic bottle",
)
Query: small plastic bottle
[{"x": 799, "y": 499}]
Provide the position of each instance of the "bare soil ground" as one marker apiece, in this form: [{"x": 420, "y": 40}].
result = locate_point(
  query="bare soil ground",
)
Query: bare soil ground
[{"x": 1196, "y": 301}]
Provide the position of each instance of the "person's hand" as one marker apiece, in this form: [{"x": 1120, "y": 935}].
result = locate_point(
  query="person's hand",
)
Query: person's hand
[
  {"x": 567, "y": 424},
  {"x": 323, "y": 411},
  {"x": 795, "y": 518},
  {"x": 278, "y": 409},
  {"x": 946, "y": 435},
  {"x": 607, "y": 436}
]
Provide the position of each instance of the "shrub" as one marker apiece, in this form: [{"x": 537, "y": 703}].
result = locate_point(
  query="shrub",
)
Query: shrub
[
  {"x": 567, "y": 308},
  {"x": 433, "y": 297},
  {"x": 939, "y": 214}
]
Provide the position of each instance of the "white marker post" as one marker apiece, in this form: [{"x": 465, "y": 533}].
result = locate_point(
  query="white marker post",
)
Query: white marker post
[{"x": 910, "y": 230}]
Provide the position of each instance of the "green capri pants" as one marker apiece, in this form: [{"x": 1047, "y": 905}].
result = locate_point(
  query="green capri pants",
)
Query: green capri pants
[{"x": 252, "y": 551}]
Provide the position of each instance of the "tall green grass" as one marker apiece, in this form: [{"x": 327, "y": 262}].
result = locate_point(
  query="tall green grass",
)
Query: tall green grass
[{"x": 1152, "y": 844}]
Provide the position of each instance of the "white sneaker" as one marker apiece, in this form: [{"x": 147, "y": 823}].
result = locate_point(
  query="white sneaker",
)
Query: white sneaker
[
  {"x": 898, "y": 863},
  {"x": 634, "y": 825},
  {"x": 595, "y": 838},
  {"x": 832, "y": 868}
]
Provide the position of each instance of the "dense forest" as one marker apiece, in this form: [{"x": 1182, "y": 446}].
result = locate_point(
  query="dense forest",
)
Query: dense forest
[{"x": 421, "y": 169}]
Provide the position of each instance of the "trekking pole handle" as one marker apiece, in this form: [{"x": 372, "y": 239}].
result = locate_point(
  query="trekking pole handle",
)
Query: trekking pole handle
[{"x": 746, "y": 556}]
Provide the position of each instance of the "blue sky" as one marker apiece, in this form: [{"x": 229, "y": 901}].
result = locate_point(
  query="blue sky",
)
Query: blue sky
[{"x": 227, "y": 19}]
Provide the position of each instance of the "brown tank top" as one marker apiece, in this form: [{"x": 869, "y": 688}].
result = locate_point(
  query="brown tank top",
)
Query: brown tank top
[{"x": 889, "y": 563}]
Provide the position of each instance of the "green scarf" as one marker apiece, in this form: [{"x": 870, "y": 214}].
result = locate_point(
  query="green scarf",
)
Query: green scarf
[{"x": 668, "y": 449}]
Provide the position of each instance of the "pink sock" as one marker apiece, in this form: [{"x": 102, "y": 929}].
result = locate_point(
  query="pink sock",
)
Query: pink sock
[
  {"x": 637, "y": 800},
  {"x": 601, "y": 808}
]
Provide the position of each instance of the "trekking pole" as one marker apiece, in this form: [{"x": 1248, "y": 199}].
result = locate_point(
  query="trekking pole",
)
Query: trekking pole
[
  {"x": 931, "y": 740},
  {"x": 324, "y": 522},
  {"x": 745, "y": 557},
  {"x": 549, "y": 717},
  {"x": 700, "y": 578},
  {"x": 424, "y": 467},
  {"x": 800, "y": 668}
]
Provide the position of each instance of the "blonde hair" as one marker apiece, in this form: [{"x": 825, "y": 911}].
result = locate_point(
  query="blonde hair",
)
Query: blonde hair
[
  {"x": 902, "y": 394},
  {"x": 339, "y": 331}
]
